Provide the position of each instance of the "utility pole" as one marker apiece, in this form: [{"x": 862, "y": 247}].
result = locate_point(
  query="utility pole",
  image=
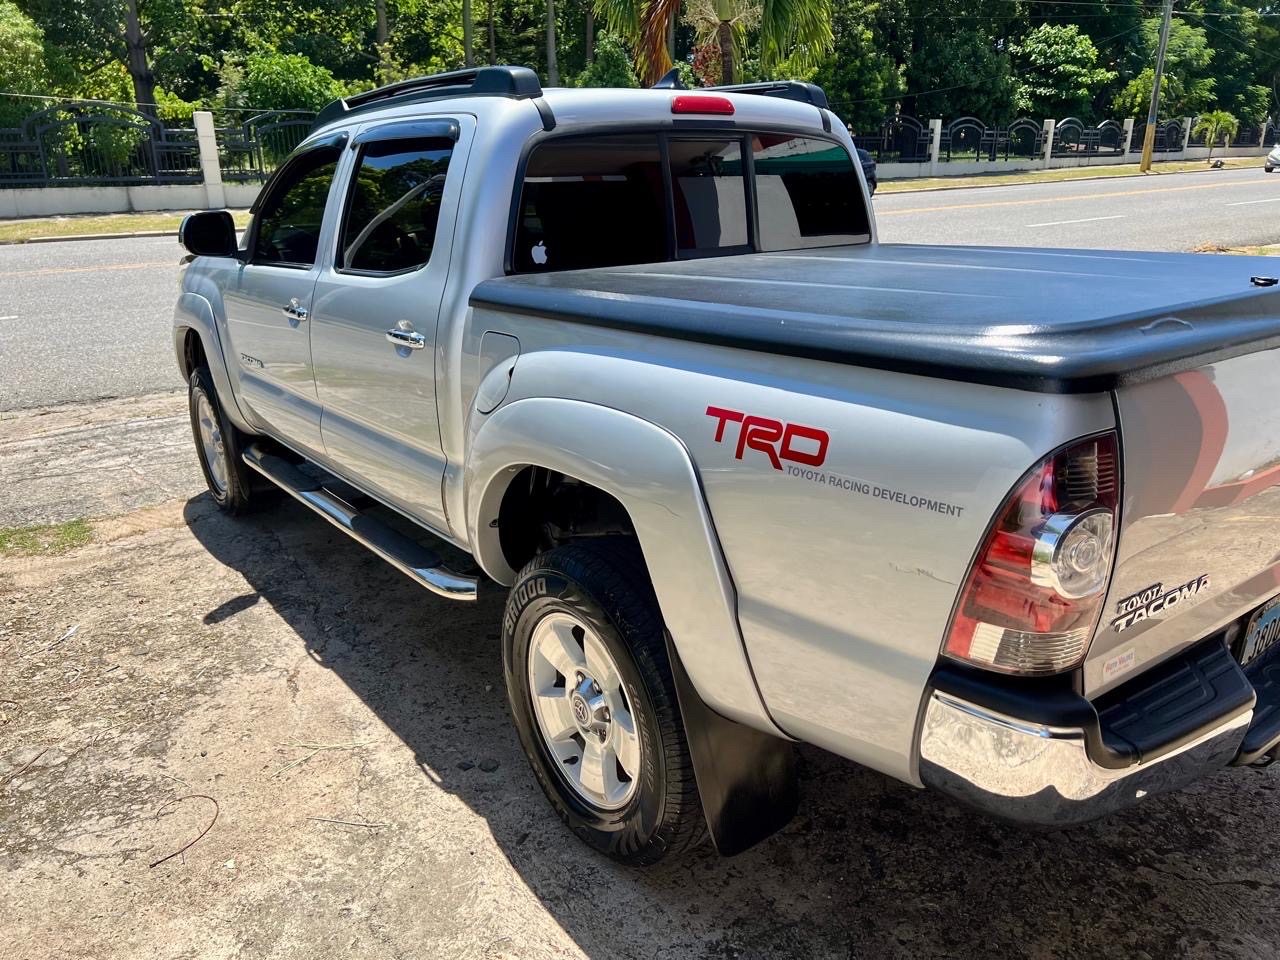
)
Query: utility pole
[{"x": 1149, "y": 138}]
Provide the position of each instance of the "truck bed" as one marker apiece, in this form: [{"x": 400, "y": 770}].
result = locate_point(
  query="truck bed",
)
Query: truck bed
[{"x": 1069, "y": 321}]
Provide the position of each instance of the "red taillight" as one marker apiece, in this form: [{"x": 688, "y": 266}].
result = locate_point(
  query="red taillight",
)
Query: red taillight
[
  {"x": 1032, "y": 599},
  {"x": 701, "y": 103}
]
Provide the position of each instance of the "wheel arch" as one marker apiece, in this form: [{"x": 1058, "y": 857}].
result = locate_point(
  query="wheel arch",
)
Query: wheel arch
[
  {"x": 195, "y": 336},
  {"x": 648, "y": 472}
]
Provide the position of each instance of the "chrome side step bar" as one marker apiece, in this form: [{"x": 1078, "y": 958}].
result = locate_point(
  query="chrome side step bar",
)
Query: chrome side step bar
[{"x": 412, "y": 559}]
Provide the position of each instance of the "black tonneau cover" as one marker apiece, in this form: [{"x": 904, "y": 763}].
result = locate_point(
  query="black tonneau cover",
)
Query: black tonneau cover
[{"x": 1053, "y": 321}]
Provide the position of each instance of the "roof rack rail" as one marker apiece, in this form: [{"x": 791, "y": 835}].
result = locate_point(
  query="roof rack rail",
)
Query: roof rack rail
[
  {"x": 784, "y": 89},
  {"x": 515, "y": 82}
]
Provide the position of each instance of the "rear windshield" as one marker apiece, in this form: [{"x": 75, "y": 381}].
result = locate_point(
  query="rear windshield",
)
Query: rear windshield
[{"x": 635, "y": 198}]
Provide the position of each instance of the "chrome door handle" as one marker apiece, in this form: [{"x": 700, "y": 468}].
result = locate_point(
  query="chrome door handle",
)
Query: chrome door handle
[
  {"x": 294, "y": 310},
  {"x": 406, "y": 338}
]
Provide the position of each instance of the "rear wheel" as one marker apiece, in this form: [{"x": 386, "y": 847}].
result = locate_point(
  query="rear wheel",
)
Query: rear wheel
[
  {"x": 219, "y": 446},
  {"x": 591, "y": 690}
]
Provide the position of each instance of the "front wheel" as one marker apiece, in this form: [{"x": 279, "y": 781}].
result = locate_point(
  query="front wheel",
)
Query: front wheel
[
  {"x": 219, "y": 446},
  {"x": 590, "y": 686}
]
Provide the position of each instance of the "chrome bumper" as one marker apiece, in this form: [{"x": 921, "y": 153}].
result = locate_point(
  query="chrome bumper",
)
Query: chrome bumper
[{"x": 1042, "y": 775}]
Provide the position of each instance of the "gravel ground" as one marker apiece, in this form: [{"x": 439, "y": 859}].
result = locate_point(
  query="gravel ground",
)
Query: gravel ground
[{"x": 271, "y": 672}]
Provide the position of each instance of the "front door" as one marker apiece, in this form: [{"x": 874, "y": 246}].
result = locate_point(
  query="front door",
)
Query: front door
[
  {"x": 376, "y": 306},
  {"x": 269, "y": 300}
]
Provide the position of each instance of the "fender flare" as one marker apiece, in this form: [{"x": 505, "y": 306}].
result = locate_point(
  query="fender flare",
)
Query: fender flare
[
  {"x": 195, "y": 313},
  {"x": 649, "y": 471}
]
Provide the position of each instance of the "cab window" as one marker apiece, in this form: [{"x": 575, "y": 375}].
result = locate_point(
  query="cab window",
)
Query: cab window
[
  {"x": 288, "y": 226},
  {"x": 391, "y": 218}
]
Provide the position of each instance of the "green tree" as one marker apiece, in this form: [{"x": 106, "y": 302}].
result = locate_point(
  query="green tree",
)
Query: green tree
[
  {"x": 862, "y": 78},
  {"x": 1216, "y": 125},
  {"x": 277, "y": 81},
  {"x": 611, "y": 66},
  {"x": 1057, "y": 72},
  {"x": 1187, "y": 86},
  {"x": 22, "y": 67}
]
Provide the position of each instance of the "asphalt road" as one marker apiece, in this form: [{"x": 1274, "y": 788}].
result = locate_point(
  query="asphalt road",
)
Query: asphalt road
[
  {"x": 1176, "y": 211},
  {"x": 86, "y": 319},
  {"x": 89, "y": 319}
]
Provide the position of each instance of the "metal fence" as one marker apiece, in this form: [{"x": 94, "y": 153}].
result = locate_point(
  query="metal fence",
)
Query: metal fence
[
  {"x": 102, "y": 144},
  {"x": 250, "y": 149},
  {"x": 1073, "y": 138},
  {"x": 897, "y": 140},
  {"x": 93, "y": 143},
  {"x": 1168, "y": 137}
]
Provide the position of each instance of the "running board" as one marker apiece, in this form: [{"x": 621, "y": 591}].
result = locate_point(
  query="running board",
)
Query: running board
[{"x": 417, "y": 562}]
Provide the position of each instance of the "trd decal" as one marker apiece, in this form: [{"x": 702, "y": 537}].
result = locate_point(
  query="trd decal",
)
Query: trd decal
[
  {"x": 777, "y": 440},
  {"x": 1147, "y": 603}
]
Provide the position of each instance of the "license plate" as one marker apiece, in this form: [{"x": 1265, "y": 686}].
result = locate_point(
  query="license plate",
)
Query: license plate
[{"x": 1263, "y": 631}]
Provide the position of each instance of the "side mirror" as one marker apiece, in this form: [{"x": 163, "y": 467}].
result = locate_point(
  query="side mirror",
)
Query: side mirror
[{"x": 209, "y": 234}]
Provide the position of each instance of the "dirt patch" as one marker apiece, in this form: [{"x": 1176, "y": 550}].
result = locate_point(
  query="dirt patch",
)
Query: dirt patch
[{"x": 372, "y": 799}]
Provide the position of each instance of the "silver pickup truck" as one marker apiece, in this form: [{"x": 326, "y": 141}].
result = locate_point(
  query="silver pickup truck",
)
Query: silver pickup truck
[{"x": 1004, "y": 523}]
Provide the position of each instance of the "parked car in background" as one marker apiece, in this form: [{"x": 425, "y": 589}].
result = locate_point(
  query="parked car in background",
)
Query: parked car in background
[
  {"x": 868, "y": 163},
  {"x": 1273, "y": 159},
  {"x": 1000, "y": 522}
]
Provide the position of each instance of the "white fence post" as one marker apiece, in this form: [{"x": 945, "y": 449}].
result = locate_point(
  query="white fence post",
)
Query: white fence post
[
  {"x": 1050, "y": 126},
  {"x": 215, "y": 193},
  {"x": 1262, "y": 138},
  {"x": 1128, "y": 139},
  {"x": 1186, "y": 134},
  {"x": 935, "y": 145}
]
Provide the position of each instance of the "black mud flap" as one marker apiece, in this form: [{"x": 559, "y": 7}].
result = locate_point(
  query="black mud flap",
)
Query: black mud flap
[{"x": 747, "y": 779}]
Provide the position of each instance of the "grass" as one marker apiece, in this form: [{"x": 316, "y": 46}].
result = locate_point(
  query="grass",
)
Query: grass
[
  {"x": 1267, "y": 250},
  {"x": 1054, "y": 176},
  {"x": 19, "y": 231},
  {"x": 44, "y": 540}
]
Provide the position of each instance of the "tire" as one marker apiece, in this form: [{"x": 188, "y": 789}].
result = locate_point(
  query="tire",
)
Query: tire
[
  {"x": 1268, "y": 169},
  {"x": 598, "y": 594},
  {"x": 219, "y": 445}
]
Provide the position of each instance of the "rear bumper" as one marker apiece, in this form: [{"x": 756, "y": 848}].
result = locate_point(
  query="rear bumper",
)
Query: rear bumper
[
  {"x": 1042, "y": 775},
  {"x": 1036, "y": 752}
]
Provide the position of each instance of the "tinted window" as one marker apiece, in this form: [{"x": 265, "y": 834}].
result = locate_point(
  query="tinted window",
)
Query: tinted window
[
  {"x": 592, "y": 202},
  {"x": 395, "y": 204},
  {"x": 606, "y": 201},
  {"x": 289, "y": 219},
  {"x": 807, "y": 193},
  {"x": 710, "y": 194}
]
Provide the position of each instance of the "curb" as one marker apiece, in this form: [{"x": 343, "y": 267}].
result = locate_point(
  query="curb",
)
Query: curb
[
  {"x": 1101, "y": 176},
  {"x": 93, "y": 236}
]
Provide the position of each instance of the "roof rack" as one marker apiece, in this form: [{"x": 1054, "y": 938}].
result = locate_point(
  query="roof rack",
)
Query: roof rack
[
  {"x": 514, "y": 82},
  {"x": 783, "y": 89}
]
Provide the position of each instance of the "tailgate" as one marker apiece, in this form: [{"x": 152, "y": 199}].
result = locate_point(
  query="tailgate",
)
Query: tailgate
[{"x": 1199, "y": 543}]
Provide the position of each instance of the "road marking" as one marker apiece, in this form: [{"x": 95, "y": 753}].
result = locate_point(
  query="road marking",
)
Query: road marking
[
  {"x": 1058, "y": 223},
  {"x": 1245, "y": 203},
  {"x": 14, "y": 317},
  {"x": 57, "y": 271},
  {"x": 1082, "y": 196}
]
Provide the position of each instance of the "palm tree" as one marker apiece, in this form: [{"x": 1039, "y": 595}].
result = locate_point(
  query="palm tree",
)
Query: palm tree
[
  {"x": 726, "y": 23},
  {"x": 1213, "y": 125},
  {"x": 795, "y": 30}
]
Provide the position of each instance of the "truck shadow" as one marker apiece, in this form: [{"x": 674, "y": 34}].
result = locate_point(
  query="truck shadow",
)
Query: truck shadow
[{"x": 869, "y": 868}]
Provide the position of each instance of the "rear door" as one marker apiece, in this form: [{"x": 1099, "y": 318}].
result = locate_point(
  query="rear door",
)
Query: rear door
[
  {"x": 377, "y": 306},
  {"x": 268, "y": 300}
]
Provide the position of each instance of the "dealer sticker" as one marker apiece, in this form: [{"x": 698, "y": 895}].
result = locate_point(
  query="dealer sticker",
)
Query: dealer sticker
[{"x": 1120, "y": 663}]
